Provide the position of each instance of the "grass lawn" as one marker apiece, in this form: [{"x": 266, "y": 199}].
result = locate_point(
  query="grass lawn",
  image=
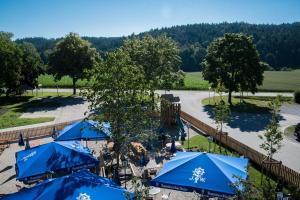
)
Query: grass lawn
[
  {"x": 194, "y": 81},
  {"x": 41, "y": 94},
  {"x": 278, "y": 81},
  {"x": 290, "y": 130},
  {"x": 48, "y": 81},
  {"x": 274, "y": 81},
  {"x": 201, "y": 142},
  {"x": 12, "y": 108},
  {"x": 250, "y": 104},
  {"x": 281, "y": 81}
]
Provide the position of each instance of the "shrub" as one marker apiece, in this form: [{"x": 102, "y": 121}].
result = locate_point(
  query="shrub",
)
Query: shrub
[{"x": 297, "y": 96}]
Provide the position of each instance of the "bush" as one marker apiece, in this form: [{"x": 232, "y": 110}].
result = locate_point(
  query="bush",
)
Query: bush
[{"x": 297, "y": 96}]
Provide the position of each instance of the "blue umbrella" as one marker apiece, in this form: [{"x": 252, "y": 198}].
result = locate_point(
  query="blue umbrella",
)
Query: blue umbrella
[
  {"x": 81, "y": 185},
  {"x": 85, "y": 130},
  {"x": 205, "y": 173},
  {"x": 53, "y": 157}
]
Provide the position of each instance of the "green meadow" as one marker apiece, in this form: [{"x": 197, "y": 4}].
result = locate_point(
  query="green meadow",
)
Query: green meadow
[{"x": 279, "y": 81}]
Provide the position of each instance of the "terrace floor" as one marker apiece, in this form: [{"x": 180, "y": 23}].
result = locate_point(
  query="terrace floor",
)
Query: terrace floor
[{"x": 9, "y": 184}]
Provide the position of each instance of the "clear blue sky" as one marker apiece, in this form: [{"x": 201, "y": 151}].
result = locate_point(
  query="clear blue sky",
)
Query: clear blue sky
[{"x": 55, "y": 18}]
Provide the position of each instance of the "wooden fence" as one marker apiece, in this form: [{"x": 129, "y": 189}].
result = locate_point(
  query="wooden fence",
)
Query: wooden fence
[
  {"x": 288, "y": 175},
  {"x": 42, "y": 131}
]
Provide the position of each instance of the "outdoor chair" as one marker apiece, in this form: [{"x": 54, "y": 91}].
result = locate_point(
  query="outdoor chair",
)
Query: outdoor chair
[
  {"x": 149, "y": 198},
  {"x": 19, "y": 187},
  {"x": 153, "y": 171}
]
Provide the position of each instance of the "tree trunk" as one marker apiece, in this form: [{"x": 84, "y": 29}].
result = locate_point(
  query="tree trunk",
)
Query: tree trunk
[
  {"x": 229, "y": 96},
  {"x": 74, "y": 85},
  {"x": 7, "y": 92},
  {"x": 153, "y": 100},
  {"x": 118, "y": 159}
]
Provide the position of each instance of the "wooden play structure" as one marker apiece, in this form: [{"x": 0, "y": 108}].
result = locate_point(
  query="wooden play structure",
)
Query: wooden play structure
[{"x": 169, "y": 106}]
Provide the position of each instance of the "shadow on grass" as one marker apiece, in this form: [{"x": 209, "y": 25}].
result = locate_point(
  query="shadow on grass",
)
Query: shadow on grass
[
  {"x": 5, "y": 101},
  {"x": 247, "y": 117}
]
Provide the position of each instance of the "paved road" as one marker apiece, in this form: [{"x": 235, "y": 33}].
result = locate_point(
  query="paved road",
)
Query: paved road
[
  {"x": 246, "y": 127},
  {"x": 243, "y": 127},
  {"x": 70, "y": 109}
]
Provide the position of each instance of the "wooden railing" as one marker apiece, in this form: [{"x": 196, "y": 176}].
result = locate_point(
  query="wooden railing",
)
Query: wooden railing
[
  {"x": 286, "y": 174},
  {"x": 42, "y": 131}
]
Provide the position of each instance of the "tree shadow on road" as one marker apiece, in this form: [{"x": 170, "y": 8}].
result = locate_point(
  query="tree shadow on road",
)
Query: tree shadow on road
[
  {"x": 48, "y": 104},
  {"x": 245, "y": 121}
]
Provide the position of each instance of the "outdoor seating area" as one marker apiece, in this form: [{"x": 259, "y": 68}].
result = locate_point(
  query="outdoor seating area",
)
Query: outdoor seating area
[
  {"x": 77, "y": 151},
  {"x": 84, "y": 151},
  {"x": 41, "y": 165}
]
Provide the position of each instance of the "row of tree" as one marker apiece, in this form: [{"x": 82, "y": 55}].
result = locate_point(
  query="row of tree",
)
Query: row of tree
[
  {"x": 278, "y": 45},
  {"x": 232, "y": 60},
  {"x": 20, "y": 65},
  {"x": 159, "y": 57}
]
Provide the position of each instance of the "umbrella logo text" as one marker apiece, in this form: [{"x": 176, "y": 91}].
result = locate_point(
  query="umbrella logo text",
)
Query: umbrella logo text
[
  {"x": 25, "y": 158},
  {"x": 198, "y": 174},
  {"x": 83, "y": 196}
]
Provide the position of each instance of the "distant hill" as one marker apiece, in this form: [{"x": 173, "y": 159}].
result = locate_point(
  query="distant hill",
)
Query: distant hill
[{"x": 278, "y": 45}]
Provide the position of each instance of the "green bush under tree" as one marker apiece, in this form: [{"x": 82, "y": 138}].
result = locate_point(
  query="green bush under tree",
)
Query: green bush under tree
[{"x": 297, "y": 96}]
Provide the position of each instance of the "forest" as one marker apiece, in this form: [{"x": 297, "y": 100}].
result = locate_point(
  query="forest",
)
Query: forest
[{"x": 278, "y": 45}]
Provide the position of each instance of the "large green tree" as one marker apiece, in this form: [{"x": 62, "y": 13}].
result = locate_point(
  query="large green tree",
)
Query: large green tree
[
  {"x": 234, "y": 60},
  {"x": 32, "y": 65},
  {"x": 72, "y": 56},
  {"x": 10, "y": 64},
  {"x": 119, "y": 92},
  {"x": 159, "y": 57}
]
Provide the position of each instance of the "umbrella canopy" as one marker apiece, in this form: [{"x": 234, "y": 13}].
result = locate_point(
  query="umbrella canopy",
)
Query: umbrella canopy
[
  {"x": 85, "y": 130},
  {"x": 81, "y": 185},
  {"x": 52, "y": 157},
  {"x": 205, "y": 173}
]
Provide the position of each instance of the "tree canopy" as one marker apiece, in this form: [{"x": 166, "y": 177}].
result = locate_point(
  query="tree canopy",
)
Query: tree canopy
[
  {"x": 10, "y": 64},
  {"x": 32, "y": 65},
  {"x": 20, "y": 65},
  {"x": 272, "y": 137},
  {"x": 159, "y": 58},
  {"x": 278, "y": 45},
  {"x": 233, "y": 61},
  {"x": 72, "y": 56},
  {"x": 120, "y": 93}
]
